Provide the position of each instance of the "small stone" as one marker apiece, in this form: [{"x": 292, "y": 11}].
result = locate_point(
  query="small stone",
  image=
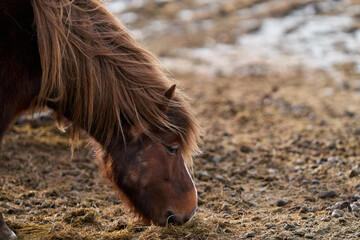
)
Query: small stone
[
  {"x": 219, "y": 177},
  {"x": 305, "y": 181},
  {"x": 225, "y": 215},
  {"x": 245, "y": 149},
  {"x": 297, "y": 169},
  {"x": 204, "y": 175},
  {"x": 282, "y": 235},
  {"x": 310, "y": 199},
  {"x": 323, "y": 123},
  {"x": 269, "y": 226},
  {"x": 299, "y": 233},
  {"x": 326, "y": 219},
  {"x": 281, "y": 203},
  {"x": 304, "y": 209},
  {"x": 321, "y": 231},
  {"x": 288, "y": 227},
  {"x": 354, "y": 207},
  {"x": 253, "y": 203},
  {"x": 356, "y": 196},
  {"x": 349, "y": 113},
  {"x": 300, "y": 161},
  {"x": 45, "y": 205},
  {"x": 353, "y": 173},
  {"x": 315, "y": 181},
  {"x": 325, "y": 195},
  {"x": 342, "y": 221},
  {"x": 357, "y": 131},
  {"x": 337, "y": 213},
  {"x": 314, "y": 209},
  {"x": 346, "y": 205},
  {"x": 309, "y": 236},
  {"x": 225, "y": 133},
  {"x": 336, "y": 206},
  {"x": 216, "y": 159},
  {"x": 121, "y": 224},
  {"x": 250, "y": 235},
  {"x": 207, "y": 189}
]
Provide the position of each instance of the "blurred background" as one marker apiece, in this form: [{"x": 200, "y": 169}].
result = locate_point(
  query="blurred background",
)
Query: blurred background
[{"x": 232, "y": 38}]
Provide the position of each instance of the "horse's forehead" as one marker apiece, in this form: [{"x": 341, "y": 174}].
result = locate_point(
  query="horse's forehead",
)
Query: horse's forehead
[
  {"x": 169, "y": 137},
  {"x": 137, "y": 130}
]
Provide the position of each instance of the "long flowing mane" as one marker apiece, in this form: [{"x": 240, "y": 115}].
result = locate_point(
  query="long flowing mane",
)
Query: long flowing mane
[{"x": 92, "y": 66}]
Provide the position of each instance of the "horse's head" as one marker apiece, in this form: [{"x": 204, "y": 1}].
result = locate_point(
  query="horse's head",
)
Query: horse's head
[
  {"x": 156, "y": 180},
  {"x": 152, "y": 175}
]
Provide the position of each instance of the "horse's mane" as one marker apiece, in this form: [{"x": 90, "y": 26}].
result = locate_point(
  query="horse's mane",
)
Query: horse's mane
[{"x": 92, "y": 65}]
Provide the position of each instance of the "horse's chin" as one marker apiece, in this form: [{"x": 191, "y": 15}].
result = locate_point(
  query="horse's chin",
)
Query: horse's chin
[
  {"x": 149, "y": 219},
  {"x": 148, "y": 216},
  {"x": 140, "y": 210}
]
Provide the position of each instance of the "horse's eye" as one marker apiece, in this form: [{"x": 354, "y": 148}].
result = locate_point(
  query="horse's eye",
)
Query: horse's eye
[{"x": 172, "y": 149}]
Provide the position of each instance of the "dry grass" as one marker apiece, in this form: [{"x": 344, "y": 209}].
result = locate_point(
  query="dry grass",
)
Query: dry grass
[{"x": 268, "y": 138}]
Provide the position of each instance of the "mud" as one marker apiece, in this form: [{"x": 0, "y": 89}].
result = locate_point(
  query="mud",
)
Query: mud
[{"x": 281, "y": 148}]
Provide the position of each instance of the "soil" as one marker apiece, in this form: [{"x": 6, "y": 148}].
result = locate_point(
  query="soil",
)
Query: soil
[{"x": 280, "y": 155}]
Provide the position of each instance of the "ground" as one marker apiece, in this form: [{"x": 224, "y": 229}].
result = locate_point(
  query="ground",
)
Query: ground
[{"x": 281, "y": 152}]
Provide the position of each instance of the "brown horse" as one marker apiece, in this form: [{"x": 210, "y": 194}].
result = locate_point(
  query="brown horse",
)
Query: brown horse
[{"x": 74, "y": 57}]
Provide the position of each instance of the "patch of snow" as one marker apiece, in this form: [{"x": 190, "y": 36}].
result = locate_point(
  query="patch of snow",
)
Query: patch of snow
[
  {"x": 303, "y": 38},
  {"x": 116, "y": 7},
  {"x": 152, "y": 28},
  {"x": 123, "y": 5},
  {"x": 299, "y": 39},
  {"x": 186, "y": 15},
  {"x": 129, "y": 17},
  {"x": 317, "y": 41}
]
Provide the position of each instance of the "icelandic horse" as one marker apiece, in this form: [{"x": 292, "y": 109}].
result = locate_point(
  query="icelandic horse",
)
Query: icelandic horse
[{"x": 76, "y": 58}]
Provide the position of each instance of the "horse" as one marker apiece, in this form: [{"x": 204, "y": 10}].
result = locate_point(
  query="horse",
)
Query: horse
[{"x": 76, "y": 58}]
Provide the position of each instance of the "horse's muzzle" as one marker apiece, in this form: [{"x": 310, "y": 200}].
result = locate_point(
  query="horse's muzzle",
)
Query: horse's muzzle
[{"x": 176, "y": 219}]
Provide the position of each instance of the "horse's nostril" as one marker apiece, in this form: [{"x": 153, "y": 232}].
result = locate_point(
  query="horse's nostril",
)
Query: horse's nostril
[
  {"x": 169, "y": 213},
  {"x": 171, "y": 218}
]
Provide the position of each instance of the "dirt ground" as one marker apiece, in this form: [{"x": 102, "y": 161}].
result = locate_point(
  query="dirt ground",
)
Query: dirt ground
[{"x": 281, "y": 158}]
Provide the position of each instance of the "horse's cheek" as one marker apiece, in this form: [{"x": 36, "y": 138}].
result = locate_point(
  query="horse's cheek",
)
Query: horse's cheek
[{"x": 132, "y": 177}]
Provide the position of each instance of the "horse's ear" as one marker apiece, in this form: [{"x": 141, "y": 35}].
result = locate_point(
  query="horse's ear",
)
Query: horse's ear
[{"x": 169, "y": 94}]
